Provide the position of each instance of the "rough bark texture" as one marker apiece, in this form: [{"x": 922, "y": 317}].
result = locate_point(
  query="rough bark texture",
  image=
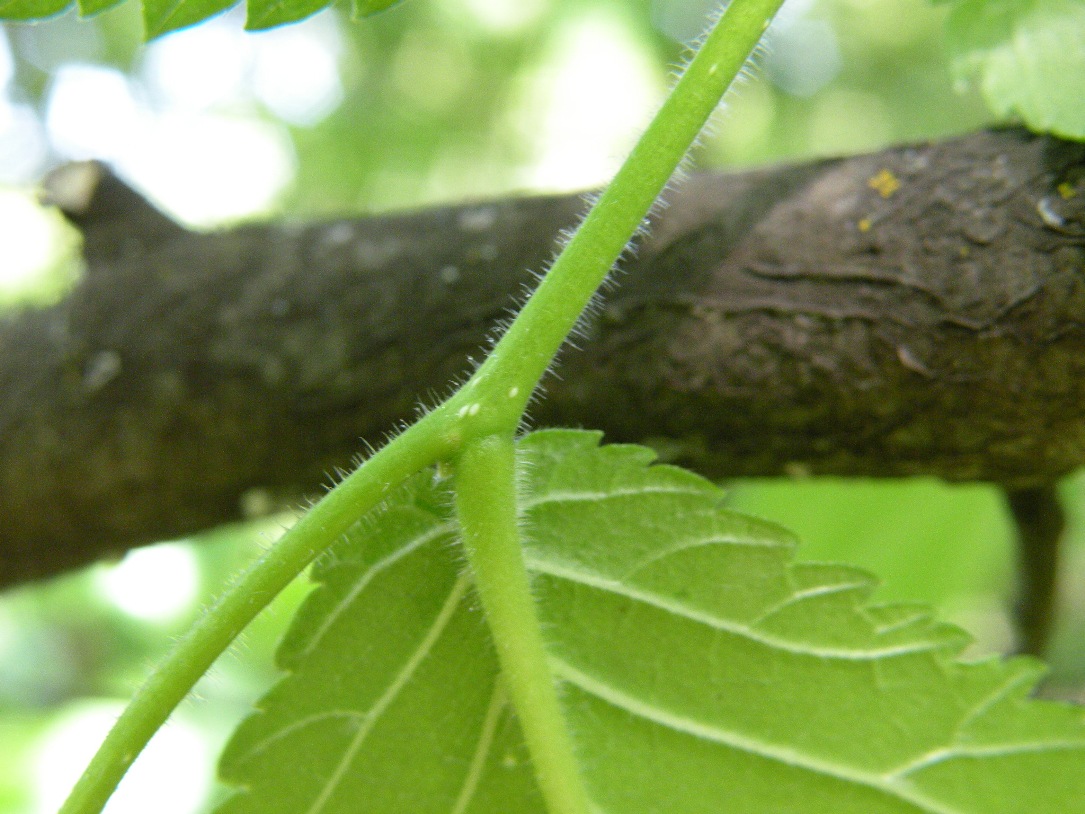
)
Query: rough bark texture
[{"x": 916, "y": 311}]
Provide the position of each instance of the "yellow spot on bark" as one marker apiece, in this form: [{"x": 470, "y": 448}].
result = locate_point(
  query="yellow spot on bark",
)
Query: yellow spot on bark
[
  {"x": 864, "y": 225},
  {"x": 884, "y": 183},
  {"x": 1066, "y": 190}
]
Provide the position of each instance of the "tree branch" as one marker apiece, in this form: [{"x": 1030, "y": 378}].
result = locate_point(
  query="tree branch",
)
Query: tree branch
[
  {"x": 1040, "y": 523},
  {"x": 915, "y": 311}
]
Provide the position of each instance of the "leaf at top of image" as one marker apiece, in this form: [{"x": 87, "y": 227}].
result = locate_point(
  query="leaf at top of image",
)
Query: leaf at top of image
[
  {"x": 88, "y": 8},
  {"x": 263, "y": 14},
  {"x": 1028, "y": 57},
  {"x": 364, "y": 8},
  {"x": 701, "y": 670},
  {"x": 163, "y": 16},
  {"x": 32, "y": 9}
]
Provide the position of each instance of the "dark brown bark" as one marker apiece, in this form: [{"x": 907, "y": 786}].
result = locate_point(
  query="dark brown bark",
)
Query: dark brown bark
[
  {"x": 915, "y": 311},
  {"x": 1040, "y": 523}
]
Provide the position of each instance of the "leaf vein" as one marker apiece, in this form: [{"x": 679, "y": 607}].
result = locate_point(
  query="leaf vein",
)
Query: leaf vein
[
  {"x": 808, "y": 593},
  {"x": 459, "y": 589},
  {"x": 300, "y": 724},
  {"x": 598, "y": 497},
  {"x": 640, "y": 708},
  {"x": 482, "y": 749},
  {"x": 368, "y": 576},
  {"x": 689, "y": 545},
  {"x": 539, "y": 565},
  {"x": 1001, "y": 750}
]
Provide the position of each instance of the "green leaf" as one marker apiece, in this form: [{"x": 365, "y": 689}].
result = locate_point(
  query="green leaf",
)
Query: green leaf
[
  {"x": 163, "y": 16},
  {"x": 32, "y": 9},
  {"x": 263, "y": 14},
  {"x": 40, "y": 9},
  {"x": 702, "y": 671},
  {"x": 88, "y": 8},
  {"x": 393, "y": 697},
  {"x": 1028, "y": 57},
  {"x": 363, "y": 8}
]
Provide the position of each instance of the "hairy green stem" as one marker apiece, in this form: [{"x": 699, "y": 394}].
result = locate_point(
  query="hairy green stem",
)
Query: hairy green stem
[
  {"x": 511, "y": 372},
  {"x": 191, "y": 657},
  {"x": 493, "y": 400},
  {"x": 475, "y": 426},
  {"x": 486, "y": 509}
]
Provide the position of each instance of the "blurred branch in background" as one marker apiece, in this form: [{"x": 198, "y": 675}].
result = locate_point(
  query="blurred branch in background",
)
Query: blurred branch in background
[
  {"x": 914, "y": 311},
  {"x": 1041, "y": 526}
]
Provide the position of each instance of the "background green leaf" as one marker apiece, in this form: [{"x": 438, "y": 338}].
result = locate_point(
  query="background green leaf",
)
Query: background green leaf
[
  {"x": 31, "y": 9},
  {"x": 163, "y": 16},
  {"x": 363, "y": 8},
  {"x": 88, "y": 8},
  {"x": 1028, "y": 57},
  {"x": 262, "y": 14},
  {"x": 700, "y": 669},
  {"x": 896, "y": 529}
]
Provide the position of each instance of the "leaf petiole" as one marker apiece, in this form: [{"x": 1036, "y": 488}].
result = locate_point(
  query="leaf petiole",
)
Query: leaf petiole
[{"x": 486, "y": 510}]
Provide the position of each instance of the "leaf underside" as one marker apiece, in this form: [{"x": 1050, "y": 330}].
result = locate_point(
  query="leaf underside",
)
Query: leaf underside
[
  {"x": 701, "y": 670},
  {"x": 1028, "y": 57}
]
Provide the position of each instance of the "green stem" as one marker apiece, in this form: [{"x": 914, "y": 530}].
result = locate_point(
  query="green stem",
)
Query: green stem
[
  {"x": 492, "y": 402},
  {"x": 191, "y": 657},
  {"x": 486, "y": 508},
  {"x": 480, "y": 419},
  {"x": 513, "y": 369}
]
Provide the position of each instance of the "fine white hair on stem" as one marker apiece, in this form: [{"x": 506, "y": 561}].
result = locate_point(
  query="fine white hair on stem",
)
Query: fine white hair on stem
[{"x": 586, "y": 326}]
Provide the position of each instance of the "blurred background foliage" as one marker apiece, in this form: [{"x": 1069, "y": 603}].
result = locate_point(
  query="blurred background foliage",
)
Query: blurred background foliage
[{"x": 433, "y": 101}]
